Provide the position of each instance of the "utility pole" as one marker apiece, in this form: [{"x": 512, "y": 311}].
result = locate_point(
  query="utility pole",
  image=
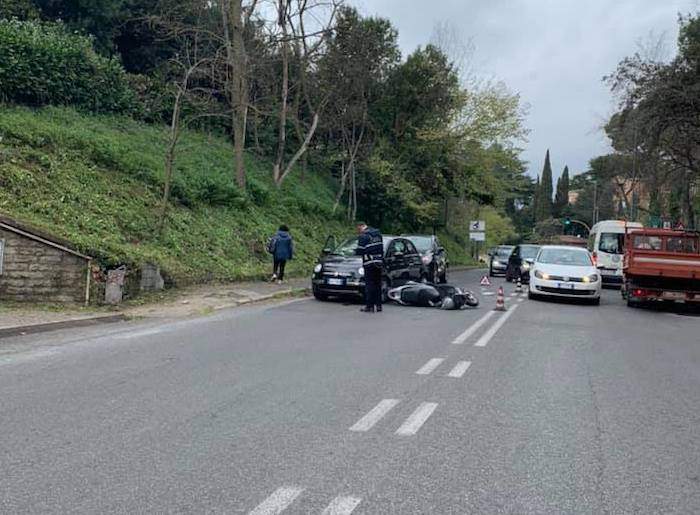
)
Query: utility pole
[{"x": 595, "y": 201}]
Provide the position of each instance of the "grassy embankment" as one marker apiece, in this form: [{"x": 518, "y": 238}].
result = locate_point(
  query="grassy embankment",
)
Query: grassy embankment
[{"x": 97, "y": 180}]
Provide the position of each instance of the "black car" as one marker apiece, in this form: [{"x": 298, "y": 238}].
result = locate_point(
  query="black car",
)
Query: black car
[
  {"x": 519, "y": 262},
  {"x": 498, "y": 259},
  {"x": 339, "y": 271},
  {"x": 434, "y": 257}
]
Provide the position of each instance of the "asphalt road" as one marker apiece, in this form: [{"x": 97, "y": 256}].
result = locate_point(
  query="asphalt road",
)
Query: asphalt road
[{"x": 308, "y": 407}]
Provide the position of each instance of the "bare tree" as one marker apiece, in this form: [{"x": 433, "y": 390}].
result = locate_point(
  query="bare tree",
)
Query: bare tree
[
  {"x": 190, "y": 69},
  {"x": 291, "y": 28},
  {"x": 235, "y": 17}
]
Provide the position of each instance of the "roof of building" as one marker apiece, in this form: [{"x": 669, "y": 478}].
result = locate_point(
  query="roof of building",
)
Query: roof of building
[{"x": 32, "y": 233}]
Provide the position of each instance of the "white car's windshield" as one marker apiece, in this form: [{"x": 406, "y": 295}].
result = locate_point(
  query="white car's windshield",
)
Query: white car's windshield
[
  {"x": 571, "y": 257},
  {"x": 611, "y": 243}
]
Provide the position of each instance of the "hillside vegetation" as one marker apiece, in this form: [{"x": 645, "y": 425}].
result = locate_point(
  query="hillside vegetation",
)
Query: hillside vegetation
[{"x": 97, "y": 181}]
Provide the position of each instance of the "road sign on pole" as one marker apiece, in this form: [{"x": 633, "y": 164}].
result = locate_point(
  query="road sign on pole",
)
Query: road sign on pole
[
  {"x": 477, "y": 225},
  {"x": 477, "y": 236}
]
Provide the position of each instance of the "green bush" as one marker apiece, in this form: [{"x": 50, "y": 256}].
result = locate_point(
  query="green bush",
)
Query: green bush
[{"x": 45, "y": 64}]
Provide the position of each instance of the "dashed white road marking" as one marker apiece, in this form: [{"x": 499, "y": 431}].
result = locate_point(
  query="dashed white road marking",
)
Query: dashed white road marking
[
  {"x": 488, "y": 293},
  {"x": 278, "y": 501},
  {"x": 367, "y": 422},
  {"x": 521, "y": 299},
  {"x": 414, "y": 422},
  {"x": 342, "y": 506},
  {"x": 459, "y": 369},
  {"x": 486, "y": 337},
  {"x": 514, "y": 294},
  {"x": 474, "y": 328},
  {"x": 429, "y": 366}
]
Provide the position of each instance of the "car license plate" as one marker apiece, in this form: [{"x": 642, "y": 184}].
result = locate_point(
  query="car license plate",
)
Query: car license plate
[
  {"x": 674, "y": 295},
  {"x": 335, "y": 282},
  {"x": 564, "y": 286}
]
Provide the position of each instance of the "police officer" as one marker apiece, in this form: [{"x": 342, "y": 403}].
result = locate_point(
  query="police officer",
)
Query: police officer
[{"x": 370, "y": 245}]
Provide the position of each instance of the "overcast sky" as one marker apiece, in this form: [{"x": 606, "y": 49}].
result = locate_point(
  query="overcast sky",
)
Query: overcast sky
[{"x": 553, "y": 52}]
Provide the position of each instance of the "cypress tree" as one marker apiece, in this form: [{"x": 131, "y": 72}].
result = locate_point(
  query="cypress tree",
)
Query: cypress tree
[
  {"x": 562, "y": 197},
  {"x": 544, "y": 199},
  {"x": 535, "y": 200}
]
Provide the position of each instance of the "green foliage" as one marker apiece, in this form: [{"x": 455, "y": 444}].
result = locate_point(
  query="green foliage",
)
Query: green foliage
[
  {"x": 21, "y": 9},
  {"x": 99, "y": 18},
  {"x": 544, "y": 196},
  {"x": 96, "y": 181},
  {"x": 45, "y": 64},
  {"x": 561, "y": 199}
]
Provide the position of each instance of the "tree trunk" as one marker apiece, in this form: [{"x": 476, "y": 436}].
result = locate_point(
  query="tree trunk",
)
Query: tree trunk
[
  {"x": 341, "y": 190},
  {"x": 170, "y": 158},
  {"x": 284, "y": 93},
  {"x": 688, "y": 208},
  {"x": 232, "y": 17},
  {"x": 300, "y": 152}
]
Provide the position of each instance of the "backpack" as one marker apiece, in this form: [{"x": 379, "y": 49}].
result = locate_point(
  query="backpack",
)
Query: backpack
[{"x": 271, "y": 244}]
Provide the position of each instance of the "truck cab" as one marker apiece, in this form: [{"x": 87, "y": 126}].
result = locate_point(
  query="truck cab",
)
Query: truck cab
[
  {"x": 661, "y": 265},
  {"x": 606, "y": 244}
]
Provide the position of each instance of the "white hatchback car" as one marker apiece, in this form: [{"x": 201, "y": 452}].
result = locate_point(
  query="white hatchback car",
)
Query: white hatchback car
[{"x": 560, "y": 271}]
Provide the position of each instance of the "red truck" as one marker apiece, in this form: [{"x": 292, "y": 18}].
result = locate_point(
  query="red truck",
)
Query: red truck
[{"x": 661, "y": 265}]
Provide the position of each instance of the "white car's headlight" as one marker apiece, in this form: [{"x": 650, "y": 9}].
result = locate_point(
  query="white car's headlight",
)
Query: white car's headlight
[
  {"x": 318, "y": 268},
  {"x": 591, "y": 278},
  {"x": 541, "y": 275},
  {"x": 361, "y": 271},
  {"x": 496, "y": 262}
]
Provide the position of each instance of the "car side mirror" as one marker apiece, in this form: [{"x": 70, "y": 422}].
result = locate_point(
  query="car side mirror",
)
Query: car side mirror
[
  {"x": 530, "y": 261},
  {"x": 326, "y": 251}
]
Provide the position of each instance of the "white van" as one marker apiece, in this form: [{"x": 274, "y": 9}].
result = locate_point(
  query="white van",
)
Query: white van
[{"x": 606, "y": 243}]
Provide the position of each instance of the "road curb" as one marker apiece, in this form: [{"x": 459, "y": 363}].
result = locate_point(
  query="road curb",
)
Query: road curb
[
  {"x": 270, "y": 296},
  {"x": 64, "y": 324}
]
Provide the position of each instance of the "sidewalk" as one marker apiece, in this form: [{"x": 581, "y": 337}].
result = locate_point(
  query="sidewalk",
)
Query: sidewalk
[{"x": 196, "y": 300}]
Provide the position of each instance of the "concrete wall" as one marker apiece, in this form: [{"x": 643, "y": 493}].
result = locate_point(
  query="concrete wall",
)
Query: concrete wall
[{"x": 35, "y": 272}]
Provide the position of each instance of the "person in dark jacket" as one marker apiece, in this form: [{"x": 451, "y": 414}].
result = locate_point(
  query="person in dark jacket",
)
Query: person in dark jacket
[
  {"x": 370, "y": 245},
  {"x": 282, "y": 248}
]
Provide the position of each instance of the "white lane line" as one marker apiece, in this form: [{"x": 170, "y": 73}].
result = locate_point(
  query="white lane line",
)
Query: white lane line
[
  {"x": 342, "y": 506},
  {"x": 514, "y": 294},
  {"x": 429, "y": 366},
  {"x": 367, "y": 422},
  {"x": 474, "y": 328},
  {"x": 414, "y": 422},
  {"x": 486, "y": 337},
  {"x": 459, "y": 369},
  {"x": 521, "y": 299},
  {"x": 278, "y": 501}
]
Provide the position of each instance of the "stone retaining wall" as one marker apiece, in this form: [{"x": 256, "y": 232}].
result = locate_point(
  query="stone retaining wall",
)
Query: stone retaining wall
[{"x": 32, "y": 271}]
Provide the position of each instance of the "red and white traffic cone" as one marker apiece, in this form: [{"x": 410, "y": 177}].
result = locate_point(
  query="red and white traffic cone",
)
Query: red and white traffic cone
[
  {"x": 500, "y": 300},
  {"x": 519, "y": 286}
]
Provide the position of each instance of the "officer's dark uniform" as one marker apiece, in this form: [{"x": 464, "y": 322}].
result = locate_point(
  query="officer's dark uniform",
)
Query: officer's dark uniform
[{"x": 370, "y": 246}]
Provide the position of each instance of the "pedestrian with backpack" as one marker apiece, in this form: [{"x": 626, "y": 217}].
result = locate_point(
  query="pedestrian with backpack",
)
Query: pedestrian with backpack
[{"x": 281, "y": 246}]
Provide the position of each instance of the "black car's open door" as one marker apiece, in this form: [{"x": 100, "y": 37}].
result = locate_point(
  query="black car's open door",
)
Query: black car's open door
[{"x": 329, "y": 246}]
